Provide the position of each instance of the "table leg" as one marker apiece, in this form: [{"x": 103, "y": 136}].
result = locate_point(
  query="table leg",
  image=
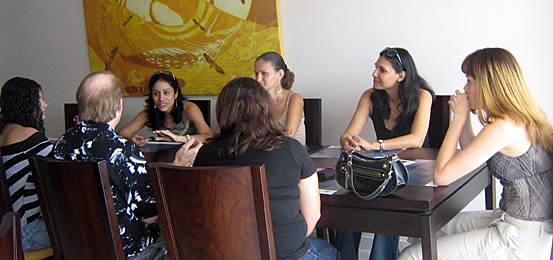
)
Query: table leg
[
  {"x": 322, "y": 233},
  {"x": 428, "y": 238},
  {"x": 490, "y": 194}
]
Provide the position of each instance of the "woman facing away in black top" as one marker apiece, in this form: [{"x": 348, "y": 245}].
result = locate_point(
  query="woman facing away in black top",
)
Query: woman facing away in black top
[{"x": 250, "y": 135}]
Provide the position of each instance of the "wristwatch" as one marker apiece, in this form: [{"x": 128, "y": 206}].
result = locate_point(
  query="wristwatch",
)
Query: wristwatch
[{"x": 381, "y": 142}]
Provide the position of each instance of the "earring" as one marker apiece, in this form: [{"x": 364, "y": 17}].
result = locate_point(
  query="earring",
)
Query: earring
[
  {"x": 279, "y": 88},
  {"x": 155, "y": 107}
]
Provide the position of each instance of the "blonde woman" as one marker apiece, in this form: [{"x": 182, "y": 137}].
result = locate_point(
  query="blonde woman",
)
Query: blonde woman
[{"x": 516, "y": 143}]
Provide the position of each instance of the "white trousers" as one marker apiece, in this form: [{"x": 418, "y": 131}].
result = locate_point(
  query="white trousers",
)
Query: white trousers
[{"x": 489, "y": 235}]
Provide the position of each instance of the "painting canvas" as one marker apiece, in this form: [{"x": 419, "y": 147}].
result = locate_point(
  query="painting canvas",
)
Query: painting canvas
[{"x": 205, "y": 43}]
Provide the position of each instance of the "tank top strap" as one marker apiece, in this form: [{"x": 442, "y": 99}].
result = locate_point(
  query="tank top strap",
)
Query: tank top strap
[{"x": 288, "y": 101}]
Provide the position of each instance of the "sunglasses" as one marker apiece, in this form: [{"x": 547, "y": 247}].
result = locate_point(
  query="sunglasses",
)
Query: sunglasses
[
  {"x": 392, "y": 52},
  {"x": 165, "y": 73}
]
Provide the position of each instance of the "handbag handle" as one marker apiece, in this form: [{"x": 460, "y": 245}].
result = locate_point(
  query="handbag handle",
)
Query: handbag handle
[{"x": 349, "y": 168}]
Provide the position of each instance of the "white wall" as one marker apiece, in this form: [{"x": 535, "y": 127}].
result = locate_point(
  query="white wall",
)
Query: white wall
[{"x": 330, "y": 45}]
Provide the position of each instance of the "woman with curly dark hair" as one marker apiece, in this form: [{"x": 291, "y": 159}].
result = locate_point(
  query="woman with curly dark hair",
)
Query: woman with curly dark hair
[
  {"x": 168, "y": 114},
  {"x": 250, "y": 135},
  {"x": 22, "y": 136}
]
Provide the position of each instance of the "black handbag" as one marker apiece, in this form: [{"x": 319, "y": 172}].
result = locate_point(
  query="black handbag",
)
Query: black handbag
[{"x": 370, "y": 177}]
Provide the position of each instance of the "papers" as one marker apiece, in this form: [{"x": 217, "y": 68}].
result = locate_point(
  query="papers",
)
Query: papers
[
  {"x": 327, "y": 192},
  {"x": 431, "y": 184},
  {"x": 328, "y": 152},
  {"x": 407, "y": 162}
]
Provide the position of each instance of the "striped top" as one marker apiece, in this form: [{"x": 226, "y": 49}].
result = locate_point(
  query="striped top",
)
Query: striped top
[
  {"x": 527, "y": 183},
  {"x": 19, "y": 177}
]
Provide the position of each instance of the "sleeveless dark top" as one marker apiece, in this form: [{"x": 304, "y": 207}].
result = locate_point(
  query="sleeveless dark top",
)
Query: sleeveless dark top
[{"x": 384, "y": 133}]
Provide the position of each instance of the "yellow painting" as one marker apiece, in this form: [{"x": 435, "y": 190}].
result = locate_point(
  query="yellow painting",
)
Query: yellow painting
[{"x": 205, "y": 43}]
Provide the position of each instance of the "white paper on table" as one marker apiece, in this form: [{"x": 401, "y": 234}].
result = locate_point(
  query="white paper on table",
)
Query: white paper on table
[{"x": 327, "y": 192}]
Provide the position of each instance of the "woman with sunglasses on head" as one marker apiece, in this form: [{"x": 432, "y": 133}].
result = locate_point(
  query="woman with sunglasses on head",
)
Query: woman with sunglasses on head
[
  {"x": 516, "y": 144},
  {"x": 22, "y": 135},
  {"x": 274, "y": 75},
  {"x": 399, "y": 105},
  {"x": 168, "y": 114}
]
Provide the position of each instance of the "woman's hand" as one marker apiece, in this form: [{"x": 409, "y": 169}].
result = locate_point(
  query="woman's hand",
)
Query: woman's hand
[
  {"x": 347, "y": 142},
  {"x": 139, "y": 140},
  {"x": 355, "y": 142},
  {"x": 187, "y": 153},
  {"x": 364, "y": 144},
  {"x": 169, "y": 136},
  {"x": 459, "y": 103}
]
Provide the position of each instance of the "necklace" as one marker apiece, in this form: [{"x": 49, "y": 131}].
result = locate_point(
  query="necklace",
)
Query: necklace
[{"x": 393, "y": 109}]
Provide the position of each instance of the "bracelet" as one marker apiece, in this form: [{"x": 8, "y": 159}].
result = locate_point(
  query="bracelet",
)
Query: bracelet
[
  {"x": 188, "y": 138},
  {"x": 381, "y": 142}
]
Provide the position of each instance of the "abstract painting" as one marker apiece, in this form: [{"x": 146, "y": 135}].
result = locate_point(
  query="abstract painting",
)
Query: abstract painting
[{"x": 205, "y": 43}]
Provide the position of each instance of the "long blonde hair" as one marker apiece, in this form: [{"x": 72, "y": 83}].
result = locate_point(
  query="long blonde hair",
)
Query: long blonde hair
[{"x": 502, "y": 92}]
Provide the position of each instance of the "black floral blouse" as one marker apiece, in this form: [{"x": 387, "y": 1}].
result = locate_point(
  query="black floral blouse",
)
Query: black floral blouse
[{"x": 130, "y": 184}]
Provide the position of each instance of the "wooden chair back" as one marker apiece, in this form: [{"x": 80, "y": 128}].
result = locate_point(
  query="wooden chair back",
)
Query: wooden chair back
[
  {"x": 71, "y": 112},
  {"x": 10, "y": 237},
  {"x": 439, "y": 121},
  {"x": 214, "y": 212},
  {"x": 76, "y": 201},
  {"x": 312, "y": 108},
  {"x": 5, "y": 200},
  {"x": 205, "y": 107}
]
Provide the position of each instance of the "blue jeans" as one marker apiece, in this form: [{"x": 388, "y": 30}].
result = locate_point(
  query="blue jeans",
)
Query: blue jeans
[
  {"x": 34, "y": 235},
  {"x": 385, "y": 247},
  {"x": 347, "y": 242},
  {"x": 320, "y": 250}
]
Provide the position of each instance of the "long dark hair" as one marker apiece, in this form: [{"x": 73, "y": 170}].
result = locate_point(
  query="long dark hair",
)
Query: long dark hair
[
  {"x": 409, "y": 88},
  {"x": 278, "y": 63},
  {"x": 156, "y": 118},
  {"x": 20, "y": 104},
  {"x": 246, "y": 118}
]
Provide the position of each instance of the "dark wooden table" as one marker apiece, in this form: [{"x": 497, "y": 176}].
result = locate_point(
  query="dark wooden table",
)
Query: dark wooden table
[
  {"x": 165, "y": 152},
  {"x": 160, "y": 152},
  {"x": 414, "y": 211}
]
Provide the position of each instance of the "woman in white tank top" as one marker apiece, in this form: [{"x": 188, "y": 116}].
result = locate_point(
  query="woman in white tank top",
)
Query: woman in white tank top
[{"x": 274, "y": 75}]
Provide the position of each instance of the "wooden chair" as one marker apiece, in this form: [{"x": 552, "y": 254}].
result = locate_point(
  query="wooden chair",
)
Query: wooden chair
[
  {"x": 5, "y": 200},
  {"x": 214, "y": 212},
  {"x": 71, "y": 111},
  {"x": 312, "y": 108},
  {"x": 205, "y": 107},
  {"x": 6, "y": 206},
  {"x": 76, "y": 201},
  {"x": 10, "y": 237},
  {"x": 439, "y": 121}
]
